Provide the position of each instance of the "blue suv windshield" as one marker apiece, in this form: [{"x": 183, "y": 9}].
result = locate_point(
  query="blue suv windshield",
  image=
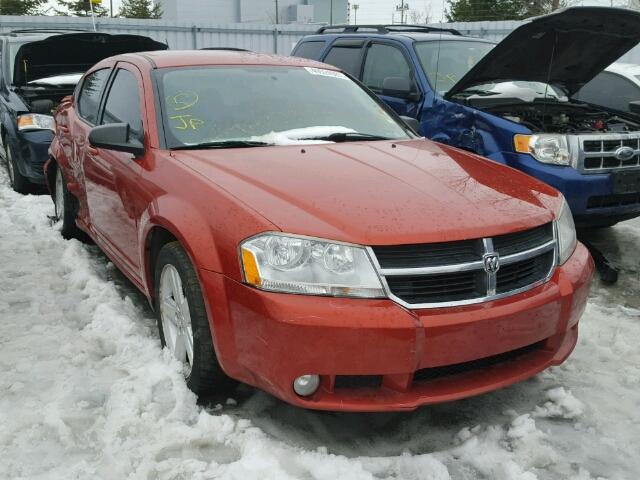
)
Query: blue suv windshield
[{"x": 445, "y": 62}]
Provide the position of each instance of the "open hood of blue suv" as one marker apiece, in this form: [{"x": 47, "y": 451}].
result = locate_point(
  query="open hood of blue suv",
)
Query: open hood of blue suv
[
  {"x": 565, "y": 49},
  {"x": 74, "y": 53}
]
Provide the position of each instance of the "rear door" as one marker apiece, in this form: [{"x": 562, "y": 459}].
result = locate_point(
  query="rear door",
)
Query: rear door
[
  {"x": 346, "y": 54},
  {"x": 385, "y": 60},
  {"x": 110, "y": 176}
]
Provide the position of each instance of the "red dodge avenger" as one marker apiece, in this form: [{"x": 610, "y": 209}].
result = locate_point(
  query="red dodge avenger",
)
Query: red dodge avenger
[{"x": 292, "y": 233}]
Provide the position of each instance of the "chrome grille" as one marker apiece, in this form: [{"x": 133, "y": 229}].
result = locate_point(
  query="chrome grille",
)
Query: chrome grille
[
  {"x": 597, "y": 153},
  {"x": 453, "y": 273}
]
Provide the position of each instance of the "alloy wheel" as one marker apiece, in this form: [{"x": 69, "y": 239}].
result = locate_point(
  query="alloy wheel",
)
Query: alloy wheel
[
  {"x": 12, "y": 173},
  {"x": 59, "y": 195},
  {"x": 175, "y": 316}
]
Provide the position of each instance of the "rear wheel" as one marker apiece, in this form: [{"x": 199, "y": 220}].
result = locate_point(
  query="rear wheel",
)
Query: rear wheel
[
  {"x": 65, "y": 206},
  {"x": 182, "y": 320},
  {"x": 18, "y": 182}
]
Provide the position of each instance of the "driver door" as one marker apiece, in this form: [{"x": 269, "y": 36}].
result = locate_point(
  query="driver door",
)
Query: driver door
[
  {"x": 384, "y": 61},
  {"x": 111, "y": 177}
]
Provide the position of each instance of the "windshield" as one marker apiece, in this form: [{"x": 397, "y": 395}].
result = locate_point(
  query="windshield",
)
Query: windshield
[
  {"x": 270, "y": 105},
  {"x": 446, "y": 62}
]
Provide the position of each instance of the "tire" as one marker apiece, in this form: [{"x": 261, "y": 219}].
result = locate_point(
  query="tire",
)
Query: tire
[
  {"x": 18, "y": 182},
  {"x": 65, "y": 207},
  {"x": 203, "y": 373}
]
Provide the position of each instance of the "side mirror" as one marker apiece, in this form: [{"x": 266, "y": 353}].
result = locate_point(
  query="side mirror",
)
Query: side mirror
[
  {"x": 399, "y": 87},
  {"x": 412, "y": 123},
  {"x": 634, "y": 107},
  {"x": 116, "y": 136}
]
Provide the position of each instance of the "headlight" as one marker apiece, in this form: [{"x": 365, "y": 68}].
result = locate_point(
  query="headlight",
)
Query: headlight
[
  {"x": 35, "y": 121},
  {"x": 552, "y": 149},
  {"x": 566, "y": 233},
  {"x": 291, "y": 264}
]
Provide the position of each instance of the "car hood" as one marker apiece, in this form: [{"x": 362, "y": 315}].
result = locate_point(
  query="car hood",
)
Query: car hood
[
  {"x": 566, "y": 49},
  {"x": 73, "y": 53},
  {"x": 378, "y": 193}
]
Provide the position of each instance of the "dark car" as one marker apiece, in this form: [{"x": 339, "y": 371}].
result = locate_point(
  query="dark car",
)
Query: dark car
[
  {"x": 38, "y": 69},
  {"x": 514, "y": 102}
]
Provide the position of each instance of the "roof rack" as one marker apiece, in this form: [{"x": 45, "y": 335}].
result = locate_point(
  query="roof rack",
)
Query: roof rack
[
  {"x": 48, "y": 30},
  {"x": 386, "y": 29},
  {"x": 231, "y": 49}
]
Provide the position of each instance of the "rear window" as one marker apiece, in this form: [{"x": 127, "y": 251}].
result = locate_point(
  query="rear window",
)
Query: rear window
[
  {"x": 346, "y": 58},
  {"x": 310, "y": 50}
]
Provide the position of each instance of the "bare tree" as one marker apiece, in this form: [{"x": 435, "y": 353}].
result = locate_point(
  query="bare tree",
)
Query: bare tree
[{"x": 417, "y": 16}]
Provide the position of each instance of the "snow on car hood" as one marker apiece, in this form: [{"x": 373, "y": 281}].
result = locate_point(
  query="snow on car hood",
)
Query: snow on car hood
[
  {"x": 301, "y": 136},
  {"x": 58, "y": 80},
  {"x": 565, "y": 49},
  {"x": 382, "y": 192},
  {"x": 73, "y": 53}
]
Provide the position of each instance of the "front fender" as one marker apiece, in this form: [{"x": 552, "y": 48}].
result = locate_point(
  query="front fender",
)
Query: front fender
[{"x": 187, "y": 225}]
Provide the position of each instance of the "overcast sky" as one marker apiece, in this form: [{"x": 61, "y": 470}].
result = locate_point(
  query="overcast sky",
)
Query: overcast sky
[{"x": 384, "y": 11}]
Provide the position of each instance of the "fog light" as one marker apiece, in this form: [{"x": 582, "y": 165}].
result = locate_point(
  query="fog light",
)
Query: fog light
[{"x": 306, "y": 385}]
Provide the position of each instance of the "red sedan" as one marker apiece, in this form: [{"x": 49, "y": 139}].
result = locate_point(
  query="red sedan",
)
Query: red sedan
[{"x": 292, "y": 233}]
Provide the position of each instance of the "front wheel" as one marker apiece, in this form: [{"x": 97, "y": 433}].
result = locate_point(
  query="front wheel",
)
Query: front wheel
[
  {"x": 182, "y": 320},
  {"x": 65, "y": 207},
  {"x": 18, "y": 182}
]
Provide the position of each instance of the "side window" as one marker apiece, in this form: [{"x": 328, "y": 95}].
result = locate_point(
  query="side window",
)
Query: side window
[
  {"x": 346, "y": 58},
  {"x": 384, "y": 61},
  {"x": 123, "y": 102},
  {"x": 609, "y": 90},
  {"x": 90, "y": 93},
  {"x": 309, "y": 50}
]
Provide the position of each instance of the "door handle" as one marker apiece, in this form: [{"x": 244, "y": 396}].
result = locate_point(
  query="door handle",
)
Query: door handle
[{"x": 92, "y": 151}]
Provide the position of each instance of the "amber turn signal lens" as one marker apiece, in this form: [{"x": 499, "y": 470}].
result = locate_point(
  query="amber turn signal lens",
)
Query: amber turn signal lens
[
  {"x": 251, "y": 271},
  {"x": 521, "y": 143}
]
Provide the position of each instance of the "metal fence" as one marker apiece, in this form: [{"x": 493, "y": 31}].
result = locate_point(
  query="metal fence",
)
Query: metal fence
[
  {"x": 496, "y": 31},
  {"x": 179, "y": 36},
  {"x": 259, "y": 38}
]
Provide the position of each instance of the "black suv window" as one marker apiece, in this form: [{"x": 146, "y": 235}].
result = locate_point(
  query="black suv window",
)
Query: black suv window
[
  {"x": 346, "y": 58},
  {"x": 90, "y": 93},
  {"x": 310, "y": 50},
  {"x": 384, "y": 61},
  {"x": 123, "y": 102},
  {"x": 609, "y": 90}
]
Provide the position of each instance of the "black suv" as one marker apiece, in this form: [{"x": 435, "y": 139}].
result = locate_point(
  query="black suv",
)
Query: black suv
[{"x": 37, "y": 69}]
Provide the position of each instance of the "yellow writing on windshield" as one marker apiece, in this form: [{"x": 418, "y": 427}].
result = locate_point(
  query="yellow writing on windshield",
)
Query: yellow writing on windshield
[
  {"x": 186, "y": 122},
  {"x": 183, "y": 100}
]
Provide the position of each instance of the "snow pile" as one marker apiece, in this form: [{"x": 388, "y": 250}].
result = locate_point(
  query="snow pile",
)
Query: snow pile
[
  {"x": 87, "y": 393},
  {"x": 561, "y": 404}
]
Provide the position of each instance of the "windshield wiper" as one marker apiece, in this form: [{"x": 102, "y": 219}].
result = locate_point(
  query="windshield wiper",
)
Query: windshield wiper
[
  {"x": 223, "y": 144},
  {"x": 347, "y": 137}
]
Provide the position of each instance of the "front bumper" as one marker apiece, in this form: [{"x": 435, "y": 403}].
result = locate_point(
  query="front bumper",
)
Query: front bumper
[
  {"x": 374, "y": 355},
  {"x": 31, "y": 149},
  {"x": 590, "y": 196}
]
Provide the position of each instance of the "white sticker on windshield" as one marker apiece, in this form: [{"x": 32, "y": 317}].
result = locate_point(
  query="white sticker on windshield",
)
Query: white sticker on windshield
[{"x": 325, "y": 73}]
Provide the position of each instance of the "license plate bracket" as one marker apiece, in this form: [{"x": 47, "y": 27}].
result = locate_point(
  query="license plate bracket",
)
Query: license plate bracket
[{"x": 626, "y": 182}]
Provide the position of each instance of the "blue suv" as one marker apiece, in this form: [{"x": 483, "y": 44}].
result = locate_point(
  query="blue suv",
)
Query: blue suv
[{"x": 515, "y": 102}]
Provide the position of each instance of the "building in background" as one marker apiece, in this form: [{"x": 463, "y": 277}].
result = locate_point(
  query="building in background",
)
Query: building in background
[{"x": 256, "y": 11}]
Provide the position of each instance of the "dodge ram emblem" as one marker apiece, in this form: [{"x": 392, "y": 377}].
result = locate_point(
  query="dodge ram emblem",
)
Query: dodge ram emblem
[
  {"x": 625, "y": 154},
  {"x": 491, "y": 262}
]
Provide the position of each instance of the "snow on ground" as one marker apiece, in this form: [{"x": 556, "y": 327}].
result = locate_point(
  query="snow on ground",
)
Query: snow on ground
[{"x": 87, "y": 393}]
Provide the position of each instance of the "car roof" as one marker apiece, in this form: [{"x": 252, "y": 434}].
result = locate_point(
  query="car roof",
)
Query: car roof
[
  {"x": 402, "y": 36},
  {"x": 196, "y": 58}
]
